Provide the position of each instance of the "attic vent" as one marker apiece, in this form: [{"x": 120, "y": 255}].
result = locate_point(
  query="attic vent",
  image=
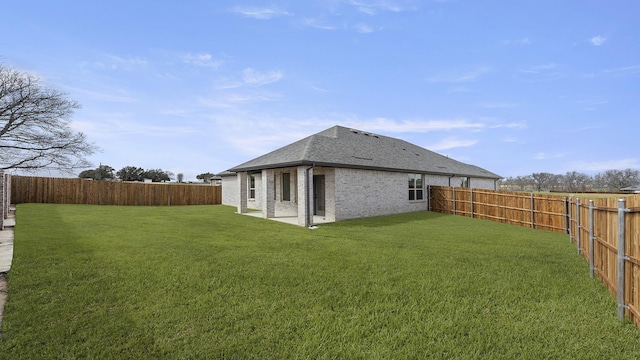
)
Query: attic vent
[
  {"x": 417, "y": 154},
  {"x": 364, "y": 133}
]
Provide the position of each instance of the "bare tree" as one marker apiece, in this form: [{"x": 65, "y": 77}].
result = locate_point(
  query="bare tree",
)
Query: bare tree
[
  {"x": 543, "y": 181},
  {"x": 576, "y": 181},
  {"x": 34, "y": 126}
]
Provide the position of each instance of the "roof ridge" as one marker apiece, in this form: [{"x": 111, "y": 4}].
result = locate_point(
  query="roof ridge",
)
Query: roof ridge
[{"x": 307, "y": 147}]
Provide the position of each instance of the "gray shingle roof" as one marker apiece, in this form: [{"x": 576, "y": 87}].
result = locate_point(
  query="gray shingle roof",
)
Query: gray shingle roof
[{"x": 343, "y": 147}]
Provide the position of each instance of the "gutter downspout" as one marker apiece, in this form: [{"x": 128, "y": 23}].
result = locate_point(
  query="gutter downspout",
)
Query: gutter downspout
[{"x": 308, "y": 195}]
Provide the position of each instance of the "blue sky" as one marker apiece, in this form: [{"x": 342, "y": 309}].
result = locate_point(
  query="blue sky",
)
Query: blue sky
[{"x": 516, "y": 87}]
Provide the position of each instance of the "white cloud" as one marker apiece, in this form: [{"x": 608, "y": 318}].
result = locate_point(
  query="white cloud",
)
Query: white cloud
[
  {"x": 496, "y": 105},
  {"x": 410, "y": 126},
  {"x": 544, "y": 72},
  {"x": 460, "y": 77},
  {"x": 264, "y": 13},
  {"x": 374, "y": 7},
  {"x": 606, "y": 165},
  {"x": 633, "y": 70},
  {"x": 546, "y": 156},
  {"x": 121, "y": 125},
  {"x": 450, "y": 143},
  {"x": 522, "y": 41},
  {"x": 233, "y": 100},
  {"x": 537, "y": 69},
  {"x": 251, "y": 76},
  {"x": 119, "y": 96},
  {"x": 363, "y": 28},
  {"x": 113, "y": 62},
  {"x": 204, "y": 60},
  {"x": 317, "y": 24},
  {"x": 597, "y": 40}
]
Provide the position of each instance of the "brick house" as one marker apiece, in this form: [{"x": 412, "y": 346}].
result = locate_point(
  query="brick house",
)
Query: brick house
[{"x": 343, "y": 173}]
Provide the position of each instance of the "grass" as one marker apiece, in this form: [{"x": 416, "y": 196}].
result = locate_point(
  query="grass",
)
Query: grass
[{"x": 203, "y": 282}]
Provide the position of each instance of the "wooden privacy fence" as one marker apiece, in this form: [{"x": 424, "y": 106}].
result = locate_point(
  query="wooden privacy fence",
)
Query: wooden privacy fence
[
  {"x": 531, "y": 210},
  {"x": 26, "y": 189},
  {"x": 598, "y": 227},
  {"x": 607, "y": 233}
]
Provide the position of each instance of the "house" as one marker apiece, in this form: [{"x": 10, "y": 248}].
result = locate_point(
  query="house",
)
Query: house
[
  {"x": 633, "y": 189},
  {"x": 342, "y": 173},
  {"x": 215, "y": 180}
]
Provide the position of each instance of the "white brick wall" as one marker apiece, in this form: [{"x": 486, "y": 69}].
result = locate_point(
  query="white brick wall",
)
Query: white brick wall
[
  {"x": 230, "y": 195},
  {"x": 287, "y": 208},
  {"x": 366, "y": 193},
  {"x": 487, "y": 184}
]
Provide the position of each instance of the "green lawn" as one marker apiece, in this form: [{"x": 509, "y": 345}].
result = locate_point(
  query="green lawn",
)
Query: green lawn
[{"x": 202, "y": 282}]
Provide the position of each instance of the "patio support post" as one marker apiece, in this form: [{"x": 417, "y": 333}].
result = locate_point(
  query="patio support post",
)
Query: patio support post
[
  {"x": 268, "y": 194},
  {"x": 305, "y": 192},
  {"x": 242, "y": 190}
]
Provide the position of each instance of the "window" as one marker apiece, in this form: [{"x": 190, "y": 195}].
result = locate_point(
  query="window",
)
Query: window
[
  {"x": 416, "y": 191},
  {"x": 286, "y": 187},
  {"x": 464, "y": 182},
  {"x": 252, "y": 186}
]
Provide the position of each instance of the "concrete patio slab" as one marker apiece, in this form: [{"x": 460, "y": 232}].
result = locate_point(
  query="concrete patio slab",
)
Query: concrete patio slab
[{"x": 292, "y": 220}]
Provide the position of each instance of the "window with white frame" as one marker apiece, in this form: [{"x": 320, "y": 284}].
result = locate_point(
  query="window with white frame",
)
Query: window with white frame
[
  {"x": 416, "y": 187},
  {"x": 252, "y": 186}
]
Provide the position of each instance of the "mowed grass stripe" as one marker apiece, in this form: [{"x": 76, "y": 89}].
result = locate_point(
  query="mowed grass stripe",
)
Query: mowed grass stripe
[{"x": 203, "y": 282}]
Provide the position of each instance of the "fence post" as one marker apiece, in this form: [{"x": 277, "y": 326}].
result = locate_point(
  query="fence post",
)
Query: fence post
[
  {"x": 566, "y": 214},
  {"x": 578, "y": 223},
  {"x": 471, "y": 198},
  {"x": 592, "y": 237},
  {"x": 621, "y": 258},
  {"x": 454, "y": 200},
  {"x": 569, "y": 214},
  {"x": 533, "y": 223},
  {"x": 2, "y": 199}
]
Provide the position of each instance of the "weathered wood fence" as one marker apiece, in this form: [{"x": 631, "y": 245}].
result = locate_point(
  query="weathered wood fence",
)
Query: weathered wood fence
[
  {"x": 598, "y": 227},
  {"x": 27, "y": 189}
]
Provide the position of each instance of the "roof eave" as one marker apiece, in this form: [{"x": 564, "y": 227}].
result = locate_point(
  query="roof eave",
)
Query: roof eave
[{"x": 354, "y": 166}]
